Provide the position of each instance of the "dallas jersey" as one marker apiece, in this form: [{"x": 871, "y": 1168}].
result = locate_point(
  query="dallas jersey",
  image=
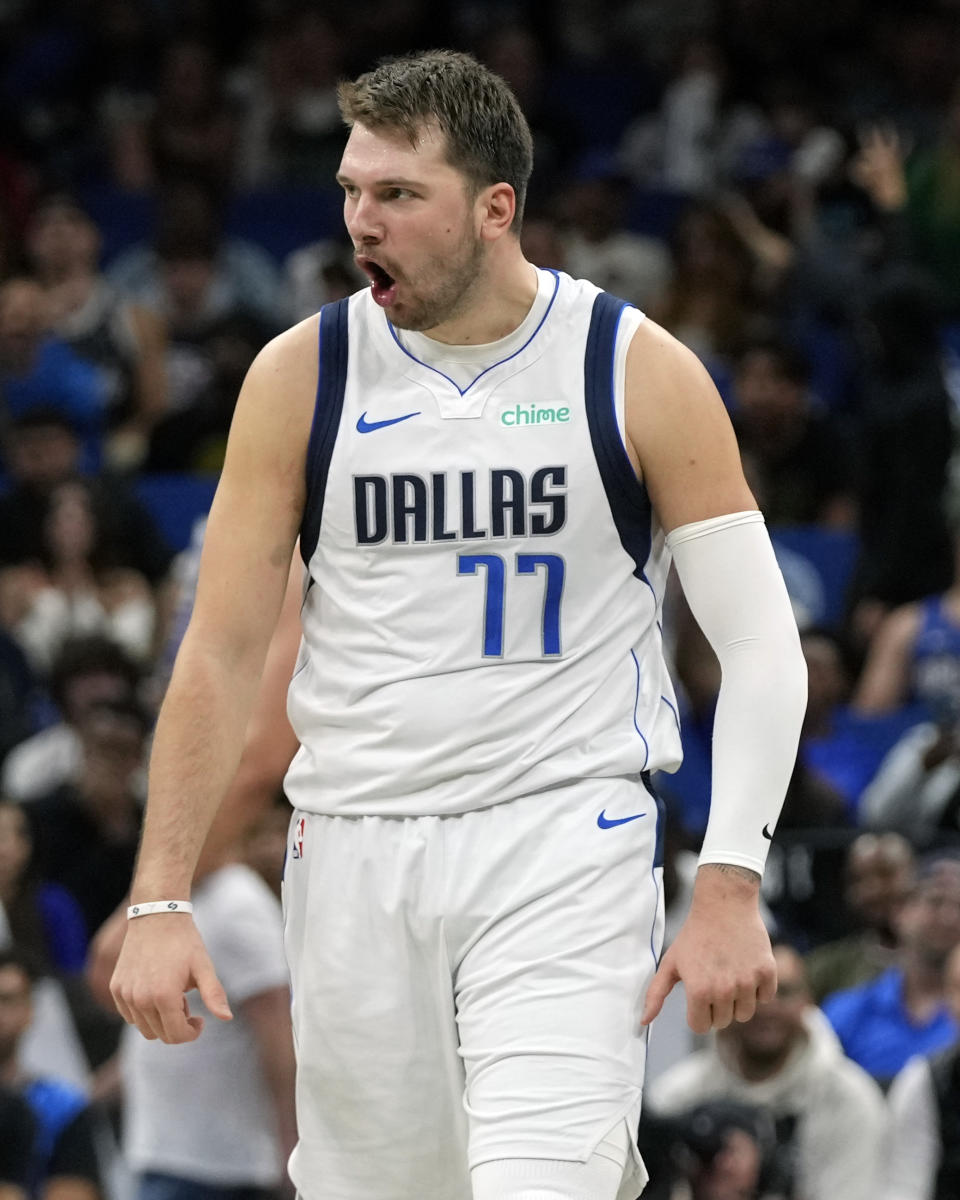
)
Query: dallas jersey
[{"x": 481, "y": 619}]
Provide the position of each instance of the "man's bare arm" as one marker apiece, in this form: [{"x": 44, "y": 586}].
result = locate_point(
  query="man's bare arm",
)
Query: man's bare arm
[
  {"x": 269, "y": 742},
  {"x": 268, "y": 748},
  {"x": 250, "y": 535}
]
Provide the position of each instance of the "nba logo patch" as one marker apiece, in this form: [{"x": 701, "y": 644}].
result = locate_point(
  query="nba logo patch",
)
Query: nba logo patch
[{"x": 298, "y": 832}]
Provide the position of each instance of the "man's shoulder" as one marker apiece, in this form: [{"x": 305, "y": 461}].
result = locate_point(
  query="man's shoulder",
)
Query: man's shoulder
[
  {"x": 839, "y": 1081},
  {"x": 829, "y": 955},
  {"x": 288, "y": 360},
  {"x": 883, "y": 992}
]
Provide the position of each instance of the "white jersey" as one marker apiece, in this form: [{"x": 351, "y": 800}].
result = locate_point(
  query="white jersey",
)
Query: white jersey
[{"x": 482, "y": 615}]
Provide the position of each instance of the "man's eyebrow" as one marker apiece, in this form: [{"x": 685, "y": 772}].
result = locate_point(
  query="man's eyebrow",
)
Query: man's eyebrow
[{"x": 393, "y": 182}]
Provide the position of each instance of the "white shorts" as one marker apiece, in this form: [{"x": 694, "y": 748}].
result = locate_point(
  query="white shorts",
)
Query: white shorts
[{"x": 469, "y": 988}]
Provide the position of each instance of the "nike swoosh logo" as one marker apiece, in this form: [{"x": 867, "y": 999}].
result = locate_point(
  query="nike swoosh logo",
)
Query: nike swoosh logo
[
  {"x": 365, "y": 426},
  {"x": 767, "y": 834},
  {"x": 606, "y": 822}
]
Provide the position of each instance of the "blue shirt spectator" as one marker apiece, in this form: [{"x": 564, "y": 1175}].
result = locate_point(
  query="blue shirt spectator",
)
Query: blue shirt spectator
[
  {"x": 65, "y": 1141},
  {"x": 904, "y": 1011},
  {"x": 65, "y": 1136},
  {"x": 38, "y": 370},
  {"x": 42, "y": 918},
  {"x": 878, "y": 1032},
  {"x": 59, "y": 378}
]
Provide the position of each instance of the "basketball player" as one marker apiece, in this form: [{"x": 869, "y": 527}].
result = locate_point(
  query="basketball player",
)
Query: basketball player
[{"x": 488, "y": 466}]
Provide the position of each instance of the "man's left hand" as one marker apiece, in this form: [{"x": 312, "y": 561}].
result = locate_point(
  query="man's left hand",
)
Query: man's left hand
[{"x": 721, "y": 955}]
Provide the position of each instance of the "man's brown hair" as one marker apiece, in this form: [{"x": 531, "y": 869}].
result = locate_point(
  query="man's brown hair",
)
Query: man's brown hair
[{"x": 487, "y": 135}]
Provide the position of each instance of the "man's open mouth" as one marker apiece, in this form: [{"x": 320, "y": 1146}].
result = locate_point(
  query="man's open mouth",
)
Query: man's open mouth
[{"x": 383, "y": 286}]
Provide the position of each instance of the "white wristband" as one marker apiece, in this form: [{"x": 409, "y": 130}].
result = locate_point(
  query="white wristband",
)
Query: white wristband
[{"x": 158, "y": 906}]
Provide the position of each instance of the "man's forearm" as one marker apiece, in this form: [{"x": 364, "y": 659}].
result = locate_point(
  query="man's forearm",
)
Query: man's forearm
[{"x": 196, "y": 749}]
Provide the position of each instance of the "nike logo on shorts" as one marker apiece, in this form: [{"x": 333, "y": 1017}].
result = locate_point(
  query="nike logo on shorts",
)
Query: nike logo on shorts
[
  {"x": 606, "y": 822},
  {"x": 766, "y": 833},
  {"x": 365, "y": 426}
]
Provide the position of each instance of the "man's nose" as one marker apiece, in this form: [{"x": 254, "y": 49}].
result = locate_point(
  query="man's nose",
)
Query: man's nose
[{"x": 363, "y": 221}]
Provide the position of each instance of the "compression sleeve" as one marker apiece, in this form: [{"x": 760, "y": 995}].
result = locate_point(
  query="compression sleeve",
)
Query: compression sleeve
[{"x": 733, "y": 585}]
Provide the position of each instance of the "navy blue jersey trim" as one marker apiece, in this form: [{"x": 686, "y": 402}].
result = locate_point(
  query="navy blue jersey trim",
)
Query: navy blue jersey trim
[
  {"x": 493, "y": 366},
  {"x": 658, "y": 851},
  {"x": 629, "y": 502},
  {"x": 331, "y": 385}
]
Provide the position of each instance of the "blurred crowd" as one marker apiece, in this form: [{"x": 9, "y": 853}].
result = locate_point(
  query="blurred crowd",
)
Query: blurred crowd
[{"x": 778, "y": 184}]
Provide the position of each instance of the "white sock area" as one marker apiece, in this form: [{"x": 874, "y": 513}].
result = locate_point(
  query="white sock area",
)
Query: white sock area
[{"x": 599, "y": 1178}]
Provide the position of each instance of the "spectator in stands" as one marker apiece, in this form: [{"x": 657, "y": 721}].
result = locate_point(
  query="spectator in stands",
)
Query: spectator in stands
[
  {"x": 44, "y": 920},
  {"x": 719, "y": 1150},
  {"x": 840, "y": 745},
  {"x": 190, "y": 134},
  {"x": 796, "y": 448},
  {"x": 915, "y": 655},
  {"x": 923, "y": 1162},
  {"x": 709, "y": 304},
  {"x": 829, "y": 1114},
  {"x": 682, "y": 145},
  {"x": 18, "y": 696},
  {"x": 903, "y": 1012},
  {"x": 189, "y": 214},
  {"x": 291, "y": 133},
  {"x": 904, "y": 439},
  {"x": 79, "y": 587},
  {"x": 86, "y": 671},
  {"x": 513, "y": 51},
  {"x": 917, "y": 789},
  {"x": 38, "y": 369},
  {"x": 180, "y": 1138},
  {"x": 596, "y": 243},
  {"x": 879, "y": 875},
  {"x": 64, "y": 1164},
  {"x": 319, "y": 273},
  {"x": 17, "y": 1133},
  {"x": 86, "y": 831},
  {"x": 41, "y": 451},
  {"x": 919, "y": 190},
  {"x": 124, "y": 341},
  {"x": 777, "y": 165},
  {"x": 211, "y": 346}
]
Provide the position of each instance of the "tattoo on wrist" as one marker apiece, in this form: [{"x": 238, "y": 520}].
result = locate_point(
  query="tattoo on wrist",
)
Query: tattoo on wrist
[{"x": 743, "y": 873}]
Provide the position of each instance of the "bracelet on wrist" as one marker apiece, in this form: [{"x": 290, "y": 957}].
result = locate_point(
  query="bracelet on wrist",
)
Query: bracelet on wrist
[{"x": 158, "y": 906}]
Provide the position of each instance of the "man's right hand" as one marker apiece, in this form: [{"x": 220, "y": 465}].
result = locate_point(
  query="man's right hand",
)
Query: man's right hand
[{"x": 163, "y": 958}]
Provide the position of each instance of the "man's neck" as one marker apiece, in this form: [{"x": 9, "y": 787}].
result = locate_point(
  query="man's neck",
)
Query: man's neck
[
  {"x": 501, "y": 300},
  {"x": 922, "y": 987}
]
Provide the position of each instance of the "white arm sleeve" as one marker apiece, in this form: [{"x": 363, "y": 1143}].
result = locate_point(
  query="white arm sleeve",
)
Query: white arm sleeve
[{"x": 736, "y": 593}]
